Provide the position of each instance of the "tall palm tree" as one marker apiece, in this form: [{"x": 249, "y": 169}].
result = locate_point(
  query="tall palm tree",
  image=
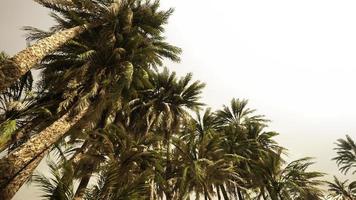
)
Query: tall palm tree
[
  {"x": 200, "y": 164},
  {"x": 250, "y": 142},
  {"x": 130, "y": 165},
  {"x": 292, "y": 181},
  {"x": 167, "y": 109},
  {"x": 176, "y": 94},
  {"x": 161, "y": 109},
  {"x": 163, "y": 103},
  {"x": 126, "y": 166},
  {"x": 206, "y": 158},
  {"x": 91, "y": 14},
  {"x": 244, "y": 135},
  {"x": 21, "y": 158},
  {"x": 137, "y": 45}
]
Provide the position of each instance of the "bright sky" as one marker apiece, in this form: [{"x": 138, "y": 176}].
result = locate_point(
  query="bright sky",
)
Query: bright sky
[{"x": 294, "y": 60}]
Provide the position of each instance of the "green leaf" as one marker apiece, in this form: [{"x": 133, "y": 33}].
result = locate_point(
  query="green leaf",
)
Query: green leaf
[{"x": 6, "y": 130}]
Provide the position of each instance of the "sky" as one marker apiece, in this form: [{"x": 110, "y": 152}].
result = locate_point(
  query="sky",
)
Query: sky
[{"x": 295, "y": 61}]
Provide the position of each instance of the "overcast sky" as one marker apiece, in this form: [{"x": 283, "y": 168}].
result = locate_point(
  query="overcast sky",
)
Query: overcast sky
[{"x": 294, "y": 60}]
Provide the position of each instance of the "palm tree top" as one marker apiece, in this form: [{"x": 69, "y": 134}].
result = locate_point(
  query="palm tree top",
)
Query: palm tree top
[{"x": 346, "y": 155}]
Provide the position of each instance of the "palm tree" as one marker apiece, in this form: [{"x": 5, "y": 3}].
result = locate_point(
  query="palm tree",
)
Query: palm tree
[
  {"x": 342, "y": 190},
  {"x": 346, "y": 155},
  {"x": 250, "y": 142},
  {"x": 292, "y": 181},
  {"x": 125, "y": 167},
  {"x": 161, "y": 109},
  {"x": 163, "y": 103},
  {"x": 165, "y": 108},
  {"x": 129, "y": 167},
  {"x": 22, "y": 157},
  {"x": 243, "y": 135},
  {"x": 200, "y": 164},
  {"x": 237, "y": 114},
  {"x": 90, "y": 14},
  {"x": 176, "y": 94},
  {"x": 138, "y": 45}
]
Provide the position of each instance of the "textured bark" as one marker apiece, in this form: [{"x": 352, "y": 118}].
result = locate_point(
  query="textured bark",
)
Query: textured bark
[
  {"x": 10, "y": 190},
  {"x": 23, "y": 61},
  {"x": 16, "y": 161}
]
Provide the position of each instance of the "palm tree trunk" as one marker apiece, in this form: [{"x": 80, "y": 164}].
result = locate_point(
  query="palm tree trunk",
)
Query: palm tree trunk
[
  {"x": 23, "y": 61},
  {"x": 12, "y": 165},
  {"x": 10, "y": 190}
]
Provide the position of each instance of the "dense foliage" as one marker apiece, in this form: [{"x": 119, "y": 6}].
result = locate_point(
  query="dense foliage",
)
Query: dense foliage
[{"x": 145, "y": 133}]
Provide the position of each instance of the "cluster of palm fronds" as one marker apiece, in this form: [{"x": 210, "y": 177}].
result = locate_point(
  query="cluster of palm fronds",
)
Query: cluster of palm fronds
[
  {"x": 225, "y": 154},
  {"x": 346, "y": 160},
  {"x": 120, "y": 127}
]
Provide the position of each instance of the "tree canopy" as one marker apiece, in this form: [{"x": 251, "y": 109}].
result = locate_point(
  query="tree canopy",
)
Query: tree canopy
[{"x": 119, "y": 125}]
